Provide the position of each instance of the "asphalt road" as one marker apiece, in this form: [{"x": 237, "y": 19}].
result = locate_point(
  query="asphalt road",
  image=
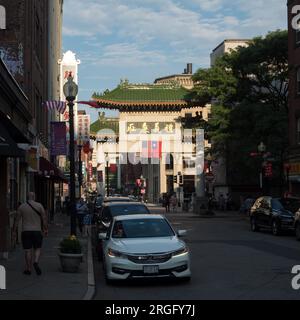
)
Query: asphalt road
[{"x": 228, "y": 262}]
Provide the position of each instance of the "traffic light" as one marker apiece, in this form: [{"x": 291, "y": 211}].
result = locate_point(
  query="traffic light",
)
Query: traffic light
[
  {"x": 181, "y": 179},
  {"x": 175, "y": 179}
]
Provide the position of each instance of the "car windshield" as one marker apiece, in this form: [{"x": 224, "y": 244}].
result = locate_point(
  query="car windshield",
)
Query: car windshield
[
  {"x": 128, "y": 209},
  {"x": 142, "y": 228},
  {"x": 276, "y": 204}
]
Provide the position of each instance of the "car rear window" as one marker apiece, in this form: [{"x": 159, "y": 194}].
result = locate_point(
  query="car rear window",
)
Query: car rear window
[{"x": 128, "y": 210}]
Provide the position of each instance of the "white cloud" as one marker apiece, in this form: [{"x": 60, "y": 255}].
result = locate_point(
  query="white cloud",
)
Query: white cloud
[
  {"x": 210, "y": 5},
  {"x": 163, "y": 34},
  {"x": 126, "y": 54}
]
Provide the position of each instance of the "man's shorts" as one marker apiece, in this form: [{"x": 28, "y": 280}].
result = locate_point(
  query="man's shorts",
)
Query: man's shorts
[{"x": 32, "y": 239}]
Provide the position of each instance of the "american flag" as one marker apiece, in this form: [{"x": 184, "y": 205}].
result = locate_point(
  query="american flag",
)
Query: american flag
[{"x": 60, "y": 106}]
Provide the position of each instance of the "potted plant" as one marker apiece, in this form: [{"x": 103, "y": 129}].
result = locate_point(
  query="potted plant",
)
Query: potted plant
[{"x": 70, "y": 254}]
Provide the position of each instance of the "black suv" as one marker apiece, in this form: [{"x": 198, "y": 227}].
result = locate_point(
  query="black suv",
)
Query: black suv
[
  {"x": 113, "y": 209},
  {"x": 268, "y": 212}
]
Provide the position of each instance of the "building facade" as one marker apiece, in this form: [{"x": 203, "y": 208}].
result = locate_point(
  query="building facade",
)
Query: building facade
[
  {"x": 293, "y": 167},
  {"x": 226, "y": 47},
  {"x": 185, "y": 79},
  {"x": 26, "y": 48}
]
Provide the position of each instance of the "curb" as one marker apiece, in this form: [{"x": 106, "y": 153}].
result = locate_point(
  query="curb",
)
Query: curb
[{"x": 91, "y": 277}]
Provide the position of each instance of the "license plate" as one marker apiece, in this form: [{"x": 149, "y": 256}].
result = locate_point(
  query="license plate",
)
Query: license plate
[{"x": 151, "y": 269}]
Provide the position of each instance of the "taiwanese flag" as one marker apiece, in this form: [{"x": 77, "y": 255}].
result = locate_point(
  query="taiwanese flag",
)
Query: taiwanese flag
[{"x": 155, "y": 149}]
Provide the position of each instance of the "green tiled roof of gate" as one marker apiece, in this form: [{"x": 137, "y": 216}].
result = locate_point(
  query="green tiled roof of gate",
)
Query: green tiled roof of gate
[
  {"x": 104, "y": 125},
  {"x": 145, "y": 93}
]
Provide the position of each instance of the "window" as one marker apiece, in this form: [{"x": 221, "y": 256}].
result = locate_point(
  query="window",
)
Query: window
[
  {"x": 188, "y": 163},
  {"x": 169, "y": 162}
]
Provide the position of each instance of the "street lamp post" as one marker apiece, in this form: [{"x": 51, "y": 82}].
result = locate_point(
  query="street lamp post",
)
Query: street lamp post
[
  {"x": 70, "y": 92},
  {"x": 80, "y": 167},
  {"x": 107, "y": 174}
]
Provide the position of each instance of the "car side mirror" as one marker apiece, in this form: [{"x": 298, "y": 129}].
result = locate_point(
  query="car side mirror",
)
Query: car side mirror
[
  {"x": 181, "y": 233},
  {"x": 102, "y": 236}
]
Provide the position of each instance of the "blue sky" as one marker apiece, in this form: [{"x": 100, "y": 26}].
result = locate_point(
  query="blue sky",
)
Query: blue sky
[{"x": 142, "y": 40}]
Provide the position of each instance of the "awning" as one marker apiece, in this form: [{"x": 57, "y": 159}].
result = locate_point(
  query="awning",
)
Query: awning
[
  {"x": 8, "y": 147},
  {"x": 50, "y": 171}
]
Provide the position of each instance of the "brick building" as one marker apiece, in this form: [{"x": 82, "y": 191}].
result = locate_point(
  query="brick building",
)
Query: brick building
[{"x": 29, "y": 44}]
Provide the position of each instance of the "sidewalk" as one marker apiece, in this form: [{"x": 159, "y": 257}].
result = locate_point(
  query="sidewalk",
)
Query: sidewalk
[{"x": 53, "y": 284}]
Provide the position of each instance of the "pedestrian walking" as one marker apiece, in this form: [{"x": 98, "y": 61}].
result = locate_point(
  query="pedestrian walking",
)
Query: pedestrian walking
[
  {"x": 87, "y": 223},
  {"x": 173, "y": 202},
  {"x": 34, "y": 227},
  {"x": 81, "y": 211},
  {"x": 167, "y": 203}
]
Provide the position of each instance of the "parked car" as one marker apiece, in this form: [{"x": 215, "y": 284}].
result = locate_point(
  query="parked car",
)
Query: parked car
[
  {"x": 144, "y": 246},
  {"x": 291, "y": 204},
  {"x": 113, "y": 209},
  {"x": 117, "y": 199},
  {"x": 269, "y": 213}
]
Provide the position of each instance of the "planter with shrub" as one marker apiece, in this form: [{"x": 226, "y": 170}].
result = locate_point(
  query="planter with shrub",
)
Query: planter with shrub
[{"x": 70, "y": 254}]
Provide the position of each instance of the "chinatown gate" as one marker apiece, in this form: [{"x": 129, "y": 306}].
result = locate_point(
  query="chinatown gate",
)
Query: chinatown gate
[{"x": 166, "y": 158}]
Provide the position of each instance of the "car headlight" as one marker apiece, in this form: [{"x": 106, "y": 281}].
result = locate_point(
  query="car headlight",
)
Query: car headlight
[
  {"x": 180, "y": 252},
  {"x": 116, "y": 254}
]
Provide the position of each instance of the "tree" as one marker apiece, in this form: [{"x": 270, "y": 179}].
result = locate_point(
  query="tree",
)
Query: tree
[{"x": 248, "y": 88}]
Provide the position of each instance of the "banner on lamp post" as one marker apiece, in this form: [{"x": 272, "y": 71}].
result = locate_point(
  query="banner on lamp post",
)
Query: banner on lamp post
[{"x": 58, "y": 139}]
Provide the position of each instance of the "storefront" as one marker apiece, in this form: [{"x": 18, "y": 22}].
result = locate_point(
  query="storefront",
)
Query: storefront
[
  {"x": 14, "y": 124},
  {"x": 293, "y": 178}
]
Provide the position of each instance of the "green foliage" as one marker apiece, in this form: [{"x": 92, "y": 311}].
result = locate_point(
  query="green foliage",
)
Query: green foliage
[
  {"x": 70, "y": 245},
  {"x": 249, "y": 88}
]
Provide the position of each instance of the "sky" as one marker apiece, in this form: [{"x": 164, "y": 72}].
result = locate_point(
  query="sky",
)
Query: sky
[{"x": 142, "y": 40}]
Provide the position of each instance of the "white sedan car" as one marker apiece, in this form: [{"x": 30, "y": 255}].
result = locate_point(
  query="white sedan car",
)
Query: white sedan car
[{"x": 144, "y": 246}]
